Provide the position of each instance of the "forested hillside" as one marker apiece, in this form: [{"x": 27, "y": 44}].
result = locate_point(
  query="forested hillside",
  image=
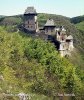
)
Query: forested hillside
[
  {"x": 34, "y": 66},
  {"x": 79, "y": 24},
  {"x": 77, "y": 19},
  {"x": 13, "y": 22}
]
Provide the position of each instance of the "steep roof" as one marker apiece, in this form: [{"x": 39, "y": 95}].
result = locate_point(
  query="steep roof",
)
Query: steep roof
[
  {"x": 30, "y": 10},
  {"x": 69, "y": 37},
  {"x": 50, "y": 22}
]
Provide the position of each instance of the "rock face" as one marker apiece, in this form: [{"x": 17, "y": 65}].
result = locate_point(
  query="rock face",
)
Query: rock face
[{"x": 59, "y": 36}]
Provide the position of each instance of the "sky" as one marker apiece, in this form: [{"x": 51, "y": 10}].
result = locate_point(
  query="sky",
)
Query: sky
[{"x": 69, "y": 8}]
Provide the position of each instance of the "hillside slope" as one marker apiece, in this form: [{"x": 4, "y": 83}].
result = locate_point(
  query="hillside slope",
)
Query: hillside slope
[
  {"x": 71, "y": 28},
  {"x": 77, "y": 19},
  {"x": 79, "y": 24},
  {"x": 80, "y": 27},
  {"x": 34, "y": 66}
]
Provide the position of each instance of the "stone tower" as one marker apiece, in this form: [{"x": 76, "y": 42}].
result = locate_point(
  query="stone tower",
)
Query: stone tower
[
  {"x": 61, "y": 37},
  {"x": 30, "y": 20},
  {"x": 61, "y": 34},
  {"x": 69, "y": 41},
  {"x": 65, "y": 42},
  {"x": 49, "y": 27}
]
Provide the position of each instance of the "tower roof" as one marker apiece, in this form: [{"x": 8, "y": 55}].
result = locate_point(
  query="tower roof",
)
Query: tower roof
[
  {"x": 69, "y": 37},
  {"x": 50, "y": 22},
  {"x": 30, "y": 10}
]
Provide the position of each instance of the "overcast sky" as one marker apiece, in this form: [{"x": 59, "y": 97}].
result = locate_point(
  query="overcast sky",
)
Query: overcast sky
[{"x": 69, "y": 8}]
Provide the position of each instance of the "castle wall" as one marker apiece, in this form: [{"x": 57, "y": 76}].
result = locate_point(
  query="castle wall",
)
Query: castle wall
[
  {"x": 71, "y": 45},
  {"x": 49, "y": 30},
  {"x": 31, "y": 23}
]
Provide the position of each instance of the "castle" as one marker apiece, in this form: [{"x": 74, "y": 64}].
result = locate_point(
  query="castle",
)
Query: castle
[{"x": 59, "y": 36}]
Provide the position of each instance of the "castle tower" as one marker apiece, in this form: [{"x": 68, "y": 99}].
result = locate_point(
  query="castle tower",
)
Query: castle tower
[
  {"x": 61, "y": 34},
  {"x": 62, "y": 48},
  {"x": 30, "y": 20},
  {"x": 61, "y": 37},
  {"x": 69, "y": 41},
  {"x": 49, "y": 27}
]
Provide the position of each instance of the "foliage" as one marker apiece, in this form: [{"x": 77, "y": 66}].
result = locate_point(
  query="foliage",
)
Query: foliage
[
  {"x": 11, "y": 21},
  {"x": 80, "y": 26},
  {"x": 78, "y": 54},
  {"x": 33, "y": 65},
  {"x": 77, "y": 19}
]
